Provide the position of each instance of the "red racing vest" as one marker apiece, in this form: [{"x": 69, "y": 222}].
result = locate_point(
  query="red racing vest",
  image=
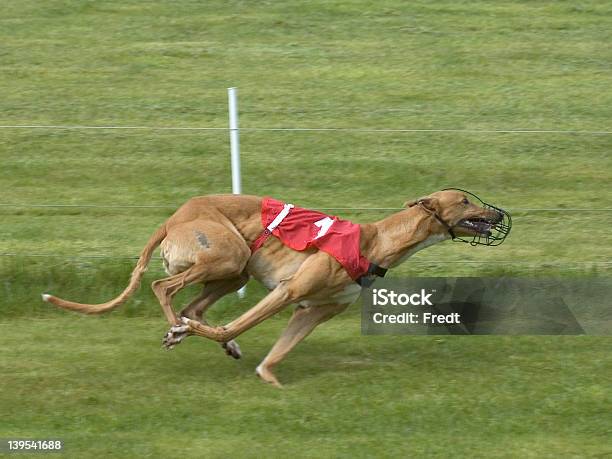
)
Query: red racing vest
[{"x": 302, "y": 229}]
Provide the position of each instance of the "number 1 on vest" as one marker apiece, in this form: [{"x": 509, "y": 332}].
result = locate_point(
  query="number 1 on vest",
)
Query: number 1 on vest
[{"x": 324, "y": 224}]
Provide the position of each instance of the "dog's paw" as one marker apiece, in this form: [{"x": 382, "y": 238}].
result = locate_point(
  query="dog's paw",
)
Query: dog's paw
[
  {"x": 267, "y": 376},
  {"x": 232, "y": 349},
  {"x": 175, "y": 335}
]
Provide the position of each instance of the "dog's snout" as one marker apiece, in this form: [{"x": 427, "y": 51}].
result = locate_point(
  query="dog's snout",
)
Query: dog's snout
[{"x": 499, "y": 216}]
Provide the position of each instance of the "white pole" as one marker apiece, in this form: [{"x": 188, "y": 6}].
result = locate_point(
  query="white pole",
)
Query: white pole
[
  {"x": 232, "y": 94},
  {"x": 232, "y": 98}
]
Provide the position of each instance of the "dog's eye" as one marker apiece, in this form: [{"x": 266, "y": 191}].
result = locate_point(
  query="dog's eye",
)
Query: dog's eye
[{"x": 465, "y": 201}]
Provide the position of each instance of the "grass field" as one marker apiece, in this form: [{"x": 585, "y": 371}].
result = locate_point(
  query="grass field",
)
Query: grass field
[{"x": 104, "y": 384}]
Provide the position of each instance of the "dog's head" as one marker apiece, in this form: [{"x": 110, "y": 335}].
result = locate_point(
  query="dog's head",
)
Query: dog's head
[{"x": 466, "y": 217}]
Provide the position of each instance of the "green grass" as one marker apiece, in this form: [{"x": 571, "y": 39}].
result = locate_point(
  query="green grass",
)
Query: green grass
[
  {"x": 106, "y": 388},
  {"x": 104, "y": 385}
]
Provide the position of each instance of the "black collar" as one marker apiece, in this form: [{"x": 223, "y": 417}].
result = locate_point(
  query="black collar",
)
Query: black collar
[{"x": 373, "y": 270}]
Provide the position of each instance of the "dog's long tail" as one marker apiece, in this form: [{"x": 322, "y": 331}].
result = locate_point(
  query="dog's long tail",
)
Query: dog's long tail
[{"x": 137, "y": 273}]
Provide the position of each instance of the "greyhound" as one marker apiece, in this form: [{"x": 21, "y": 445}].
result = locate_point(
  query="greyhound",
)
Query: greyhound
[{"x": 209, "y": 240}]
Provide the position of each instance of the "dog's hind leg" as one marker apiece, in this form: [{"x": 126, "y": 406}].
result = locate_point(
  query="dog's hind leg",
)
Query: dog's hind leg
[
  {"x": 198, "y": 252},
  {"x": 212, "y": 292},
  {"x": 165, "y": 289},
  {"x": 301, "y": 324},
  {"x": 195, "y": 310}
]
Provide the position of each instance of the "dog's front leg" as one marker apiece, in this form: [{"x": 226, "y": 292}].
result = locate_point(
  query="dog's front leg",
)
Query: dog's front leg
[{"x": 301, "y": 324}]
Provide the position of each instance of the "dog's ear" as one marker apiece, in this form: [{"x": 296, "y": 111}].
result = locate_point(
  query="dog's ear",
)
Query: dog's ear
[{"x": 431, "y": 204}]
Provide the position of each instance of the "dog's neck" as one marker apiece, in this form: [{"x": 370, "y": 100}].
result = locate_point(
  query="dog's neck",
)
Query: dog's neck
[{"x": 399, "y": 236}]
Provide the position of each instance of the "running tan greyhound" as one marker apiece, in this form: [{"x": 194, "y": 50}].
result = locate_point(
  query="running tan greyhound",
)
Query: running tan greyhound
[{"x": 207, "y": 241}]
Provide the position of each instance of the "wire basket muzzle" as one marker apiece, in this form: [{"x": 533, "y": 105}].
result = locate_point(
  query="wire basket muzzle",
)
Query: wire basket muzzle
[{"x": 499, "y": 230}]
